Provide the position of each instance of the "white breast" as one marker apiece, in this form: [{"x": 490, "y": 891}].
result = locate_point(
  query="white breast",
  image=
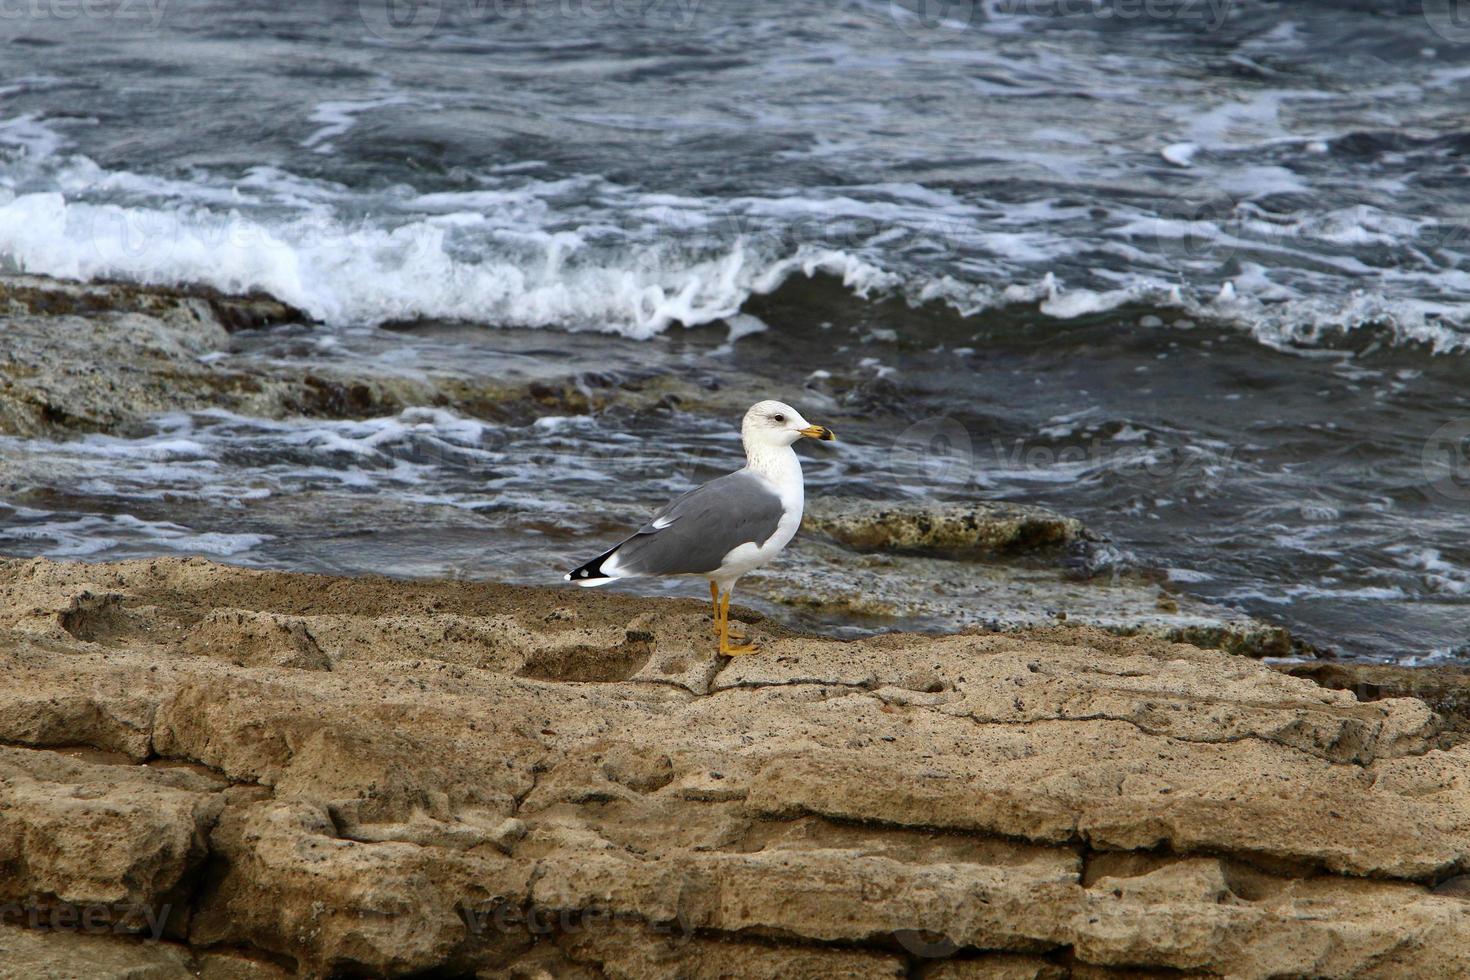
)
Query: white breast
[{"x": 781, "y": 469}]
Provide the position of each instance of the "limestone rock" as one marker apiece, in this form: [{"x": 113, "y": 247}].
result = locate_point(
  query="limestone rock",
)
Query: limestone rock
[
  {"x": 69, "y": 954},
  {"x": 118, "y": 841},
  {"x": 510, "y": 782},
  {"x": 96, "y": 952}
]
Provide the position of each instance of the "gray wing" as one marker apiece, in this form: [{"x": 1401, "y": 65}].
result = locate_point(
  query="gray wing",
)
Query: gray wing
[{"x": 695, "y": 532}]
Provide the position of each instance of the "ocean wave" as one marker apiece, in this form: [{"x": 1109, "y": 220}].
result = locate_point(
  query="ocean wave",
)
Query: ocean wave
[{"x": 581, "y": 253}]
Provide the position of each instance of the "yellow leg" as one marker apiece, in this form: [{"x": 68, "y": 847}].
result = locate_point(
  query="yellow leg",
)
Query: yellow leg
[
  {"x": 726, "y": 648},
  {"x": 714, "y": 598}
]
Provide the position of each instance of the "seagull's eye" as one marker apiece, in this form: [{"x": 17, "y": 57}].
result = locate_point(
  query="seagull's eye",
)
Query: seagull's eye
[{"x": 778, "y": 418}]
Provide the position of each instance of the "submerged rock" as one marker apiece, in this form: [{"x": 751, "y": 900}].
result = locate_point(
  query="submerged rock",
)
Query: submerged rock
[
  {"x": 509, "y": 781},
  {"x": 915, "y": 592}
]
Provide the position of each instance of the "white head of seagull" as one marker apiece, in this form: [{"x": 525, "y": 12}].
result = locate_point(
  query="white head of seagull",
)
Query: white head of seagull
[
  {"x": 771, "y": 426},
  {"x": 726, "y": 527},
  {"x": 772, "y": 423}
]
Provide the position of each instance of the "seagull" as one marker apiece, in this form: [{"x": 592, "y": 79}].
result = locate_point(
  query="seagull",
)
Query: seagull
[{"x": 726, "y": 527}]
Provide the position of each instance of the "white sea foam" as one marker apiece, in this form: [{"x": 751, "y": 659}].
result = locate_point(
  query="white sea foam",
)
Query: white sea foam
[
  {"x": 1439, "y": 574},
  {"x": 60, "y": 535},
  {"x": 336, "y": 118}
]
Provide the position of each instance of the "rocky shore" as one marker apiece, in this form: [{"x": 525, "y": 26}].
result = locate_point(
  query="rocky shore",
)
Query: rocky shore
[
  {"x": 278, "y": 774},
  {"x": 107, "y": 358},
  {"x": 214, "y": 771}
]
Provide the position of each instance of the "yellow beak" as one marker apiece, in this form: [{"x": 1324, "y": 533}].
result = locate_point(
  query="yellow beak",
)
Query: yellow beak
[{"x": 818, "y": 432}]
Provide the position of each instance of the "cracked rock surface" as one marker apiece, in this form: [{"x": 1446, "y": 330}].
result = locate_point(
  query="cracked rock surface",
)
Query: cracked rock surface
[{"x": 282, "y": 774}]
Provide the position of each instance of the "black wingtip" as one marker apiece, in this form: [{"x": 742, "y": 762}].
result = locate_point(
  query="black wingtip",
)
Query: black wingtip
[{"x": 590, "y": 572}]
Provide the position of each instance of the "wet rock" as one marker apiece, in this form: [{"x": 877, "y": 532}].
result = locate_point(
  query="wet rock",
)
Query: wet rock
[
  {"x": 109, "y": 371},
  {"x": 105, "y": 357},
  {"x": 996, "y": 565},
  {"x": 952, "y": 529},
  {"x": 1062, "y": 801},
  {"x": 39, "y": 296},
  {"x": 917, "y": 591}
]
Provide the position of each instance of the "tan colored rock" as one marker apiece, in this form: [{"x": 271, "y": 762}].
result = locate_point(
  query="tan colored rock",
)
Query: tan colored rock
[
  {"x": 1202, "y": 915},
  {"x": 228, "y": 965},
  {"x": 42, "y": 705},
  {"x": 829, "y": 893},
  {"x": 120, "y": 840},
  {"x": 98, "y": 953},
  {"x": 1151, "y": 687},
  {"x": 32, "y": 954},
  {"x": 337, "y": 905},
  {"x": 518, "y": 783},
  {"x": 255, "y": 639},
  {"x": 629, "y": 951}
]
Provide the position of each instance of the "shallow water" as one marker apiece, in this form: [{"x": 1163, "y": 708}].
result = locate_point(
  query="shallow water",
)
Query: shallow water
[{"x": 1198, "y": 278}]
